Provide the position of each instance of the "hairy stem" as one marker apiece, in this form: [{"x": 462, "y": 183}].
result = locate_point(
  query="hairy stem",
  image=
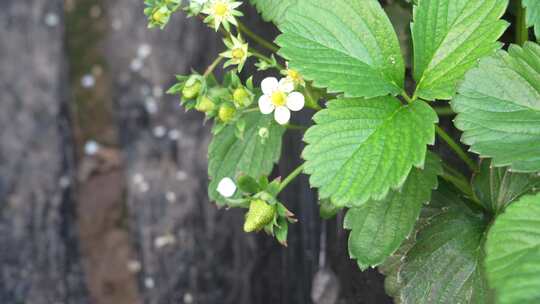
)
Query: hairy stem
[
  {"x": 456, "y": 148},
  {"x": 212, "y": 66},
  {"x": 291, "y": 177},
  {"x": 258, "y": 39},
  {"x": 522, "y": 33}
]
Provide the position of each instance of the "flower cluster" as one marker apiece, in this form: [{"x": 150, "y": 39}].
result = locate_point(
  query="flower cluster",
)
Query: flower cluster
[{"x": 230, "y": 102}]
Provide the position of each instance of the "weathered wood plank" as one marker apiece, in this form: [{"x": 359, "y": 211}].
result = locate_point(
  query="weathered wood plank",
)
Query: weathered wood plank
[{"x": 39, "y": 261}]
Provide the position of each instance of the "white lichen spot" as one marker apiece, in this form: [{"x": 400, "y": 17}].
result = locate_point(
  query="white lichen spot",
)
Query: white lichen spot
[
  {"x": 136, "y": 65},
  {"x": 52, "y": 19},
  {"x": 174, "y": 134},
  {"x": 138, "y": 178},
  {"x": 144, "y": 50},
  {"x": 157, "y": 91},
  {"x": 188, "y": 298},
  {"x": 64, "y": 182},
  {"x": 181, "y": 175},
  {"x": 164, "y": 240},
  {"x": 149, "y": 283},
  {"x": 170, "y": 196},
  {"x": 91, "y": 148},
  {"x": 88, "y": 81},
  {"x": 134, "y": 266},
  {"x": 159, "y": 131}
]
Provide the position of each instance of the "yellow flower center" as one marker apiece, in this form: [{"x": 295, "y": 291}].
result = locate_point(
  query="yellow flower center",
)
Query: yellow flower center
[
  {"x": 279, "y": 99},
  {"x": 221, "y": 9},
  {"x": 294, "y": 75},
  {"x": 238, "y": 53}
]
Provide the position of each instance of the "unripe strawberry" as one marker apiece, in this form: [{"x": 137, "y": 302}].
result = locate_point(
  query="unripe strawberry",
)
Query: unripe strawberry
[
  {"x": 259, "y": 215},
  {"x": 241, "y": 97},
  {"x": 205, "y": 105},
  {"x": 226, "y": 112},
  {"x": 191, "y": 91}
]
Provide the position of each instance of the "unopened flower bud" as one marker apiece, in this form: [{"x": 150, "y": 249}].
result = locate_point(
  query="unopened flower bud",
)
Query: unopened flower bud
[
  {"x": 191, "y": 91},
  {"x": 226, "y": 112},
  {"x": 241, "y": 97},
  {"x": 161, "y": 16},
  {"x": 205, "y": 105}
]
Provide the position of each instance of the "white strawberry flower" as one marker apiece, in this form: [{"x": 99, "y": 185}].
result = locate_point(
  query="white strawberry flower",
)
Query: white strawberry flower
[
  {"x": 278, "y": 97},
  {"x": 226, "y": 187}
]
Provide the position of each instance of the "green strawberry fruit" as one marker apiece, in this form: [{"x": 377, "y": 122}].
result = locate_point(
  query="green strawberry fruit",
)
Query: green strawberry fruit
[{"x": 259, "y": 215}]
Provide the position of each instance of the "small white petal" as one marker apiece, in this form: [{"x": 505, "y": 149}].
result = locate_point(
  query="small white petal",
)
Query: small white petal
[
  {"x": 269, "y": 85},
  {"x": 295, "y": 101},
  {"x": 226, "y": 187},
  {"x": 286, "y": 85},
  {"x": 265, "y": 105},
  {"x": 282, "y": 115}
]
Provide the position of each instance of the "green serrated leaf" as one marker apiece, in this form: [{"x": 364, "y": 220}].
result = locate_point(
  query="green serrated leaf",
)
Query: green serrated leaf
[
  {"x": 346, "y": 46},
  {"x": 360, "y": 149},
  {"x": 273, "y": 10},
  {"x": 379, "y": 227},
  {"x": 449, "y": 37},
  {"x": 441, "y": 200},
  {"x": 498, "y": 108},
  {"x": 513, "y": 253},
  {"x": 230, "y": 156},
  {"x": 533, "y": 15},
  {"x": 497, "y": 187},
  {"x": 444, "y": 265}
]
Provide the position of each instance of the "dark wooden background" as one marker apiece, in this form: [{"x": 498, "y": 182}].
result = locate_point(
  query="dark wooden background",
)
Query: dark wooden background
[{"x": 132, "y": 223}]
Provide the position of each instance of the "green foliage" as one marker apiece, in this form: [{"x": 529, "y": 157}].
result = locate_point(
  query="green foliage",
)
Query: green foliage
[
  {"x": 348, "y": 46},
  {"x": 444, "y": 265},
  {"x": 360, "y": 149},
  {"x": 273, "y": 10},
  {"x": 533, "y": 15},
  {"x": 513, "y": 253},
  {"x": 499, "y": 108},
  {"x": 367, "y": 150},
  {"x": 497, "y": 187},
  {"x": 230, "y": 156},
  {"x": 449, "y": 37},
  {"x": 379, "y": 227}
]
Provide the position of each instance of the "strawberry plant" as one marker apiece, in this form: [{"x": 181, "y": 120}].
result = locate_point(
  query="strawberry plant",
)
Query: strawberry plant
[{"x": 440, "y": 234}]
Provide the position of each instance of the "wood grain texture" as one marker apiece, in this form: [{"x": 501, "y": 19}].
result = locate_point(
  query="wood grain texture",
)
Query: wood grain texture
[{"x": 39, "y": 259}]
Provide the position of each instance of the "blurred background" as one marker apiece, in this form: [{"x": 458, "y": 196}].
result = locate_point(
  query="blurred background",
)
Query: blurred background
[{"x": 103, "y": 183}]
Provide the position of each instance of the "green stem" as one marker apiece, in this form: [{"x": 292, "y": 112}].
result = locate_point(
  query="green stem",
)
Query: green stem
[
  {"x": 407, "y": 97},
  {"x": 295, "y": 127},
  {"x": 444, "y": 111},
  {"x": 459, "y": 183},
  {"x": 457, "y": 148},
  {"x": 522, "y": 33},
  {"x": 291, "y": 177},
  {"x": 264, "y": 57},
  {"x": 212, "y": 66},
  {"x": 258, "y": 39}
]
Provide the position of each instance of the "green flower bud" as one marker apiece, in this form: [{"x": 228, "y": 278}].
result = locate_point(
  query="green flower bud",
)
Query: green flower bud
[
  {"x": 205, "y": 105},
  {"x": 226, "y": 112},
  {"x": 161, "y": 16},
  {"x": 241, "y": 97},
  {"x": 191, "y": 91},
  {"x": 259, "y": 215}
]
